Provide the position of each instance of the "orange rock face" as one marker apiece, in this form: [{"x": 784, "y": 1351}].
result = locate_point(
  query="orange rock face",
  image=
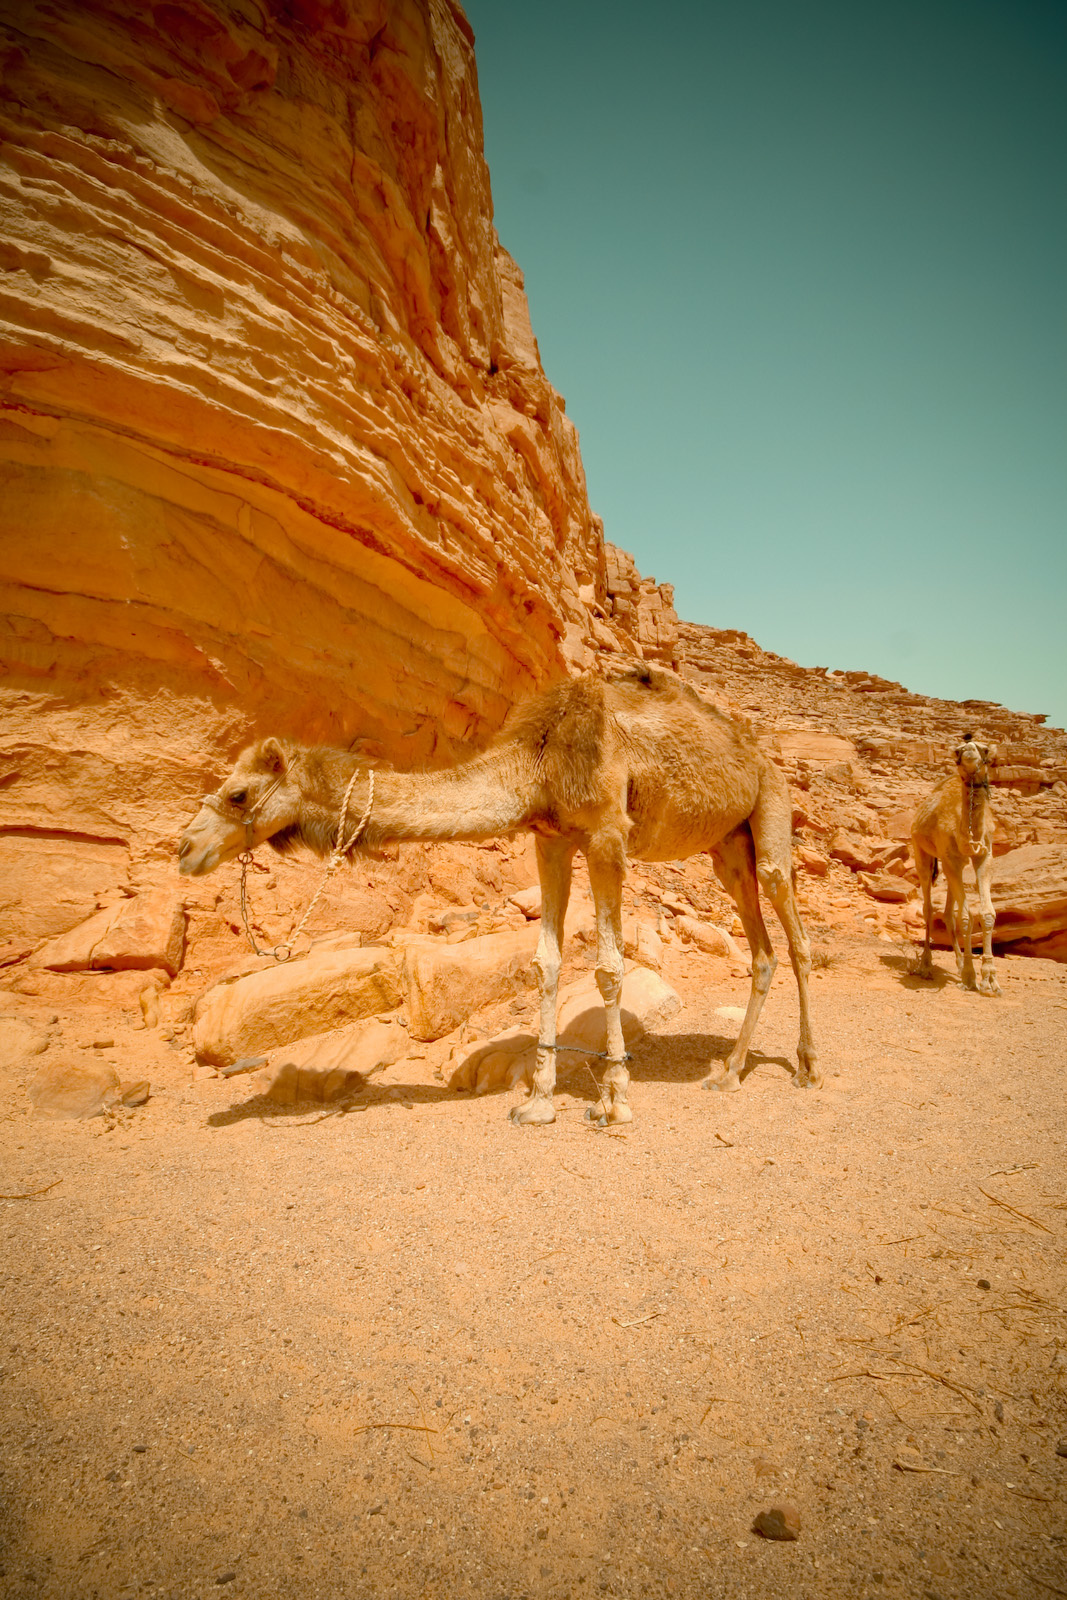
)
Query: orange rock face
[{"x": 276, "y": 447}]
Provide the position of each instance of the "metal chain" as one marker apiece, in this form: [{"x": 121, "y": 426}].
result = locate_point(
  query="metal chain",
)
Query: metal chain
[
  {"x": 576, "y": 1050},
  {"x": 337, "y": 855}
]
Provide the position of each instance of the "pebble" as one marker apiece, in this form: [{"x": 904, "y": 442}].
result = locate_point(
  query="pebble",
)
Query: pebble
[
  {"x": 780, "y": 1522},
  {"x": 984, "y": 1283},
  {"x": 139, "y": 1449},
  {"x": 103, "y": 1044},
  {"x": 135, "y": 1094},
  {"x": 225, "y": 1577},
  {"x": 1061, "y": 1448},
  {"x": 244, "y": 1064}
]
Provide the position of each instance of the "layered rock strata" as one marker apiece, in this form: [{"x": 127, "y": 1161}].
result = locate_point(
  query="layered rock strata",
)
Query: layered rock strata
[{"x": 276, "y": 447}]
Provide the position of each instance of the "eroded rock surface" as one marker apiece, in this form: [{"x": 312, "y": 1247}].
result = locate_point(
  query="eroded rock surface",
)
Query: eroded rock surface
[{"x": 261, "y": 347}]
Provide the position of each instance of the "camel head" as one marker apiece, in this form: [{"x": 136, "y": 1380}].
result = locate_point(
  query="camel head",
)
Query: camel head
[
  {"x": 972, "y": 759},
  {"x": 258, "y": 799}
]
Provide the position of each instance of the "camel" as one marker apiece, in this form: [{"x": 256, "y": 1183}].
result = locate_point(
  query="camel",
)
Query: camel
[
  {"x": 637, "y": 766},
  {"x": 954, "y": 825}
]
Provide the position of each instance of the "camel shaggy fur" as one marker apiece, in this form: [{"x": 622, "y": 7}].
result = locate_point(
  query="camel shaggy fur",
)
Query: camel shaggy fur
[
  {"x": 954, "y": 825},
  {"x": 640, "y": 766}
]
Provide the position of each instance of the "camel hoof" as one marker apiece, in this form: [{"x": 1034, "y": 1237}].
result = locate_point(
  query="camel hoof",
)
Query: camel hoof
[
  {"x": 597, "y": 1113},
  {"x": 534, "y": 1112},
  {"x": 989, "y": 986},
  {"x": 808, "y": 1080},
  {"x": 724, "y": 1085}
]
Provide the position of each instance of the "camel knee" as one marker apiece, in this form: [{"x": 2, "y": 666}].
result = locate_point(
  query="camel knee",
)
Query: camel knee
[
  {"x": 989, "y": 921},
  {"x": 546, "y": 967},
  {"x": 773, "y": 880},
  {"x": 609, "y": 980},
  {"x": 764, "y": 965}
]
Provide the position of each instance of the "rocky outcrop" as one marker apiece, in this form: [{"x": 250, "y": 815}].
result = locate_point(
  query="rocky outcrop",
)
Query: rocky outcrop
[
  {"x": 276, "y": 447},
  {"x": 134, "y": 935},
  {"x": 641, "y": 609}
]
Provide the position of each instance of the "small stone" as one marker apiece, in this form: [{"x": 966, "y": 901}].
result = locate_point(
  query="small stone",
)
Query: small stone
[
  {"x": 225, "y": 1577},
  {"x": 780, "y": 1522},
  {"x": 1061, "y": 1448},
  {"x": 135, "y": 1094},
  {"x": 984, "y": 1283},
  {"x": 139, "y": 1449},
  {"x": 244, "y": 1064},
  {"x": 103, "y": 1044}
]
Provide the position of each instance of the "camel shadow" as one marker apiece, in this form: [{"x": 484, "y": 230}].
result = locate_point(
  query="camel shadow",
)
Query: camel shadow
[
  {"x": 682, "y": 1058},
  {"x": 904, "y": 967},
  {"x": 393, "y": 1096}
]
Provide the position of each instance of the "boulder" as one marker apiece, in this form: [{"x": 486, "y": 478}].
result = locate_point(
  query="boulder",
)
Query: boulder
[
  {"x": 503, "y": 1062},
  {"x": 528, "y": 901},
  {"x": 446, "y": 984},
  {"x": 1030, "y": 895},
  {"x": 864, "y": 853},
  {"x": 642, "y": 943},
  {"x": 813, "y": 861},
  {"x": 141, "y": 934},
  {"x": 709, "y": 938},
  {"x": 886, "y": 886},
  {"x": 329, "y": 1064},
  {"x": 64, "y": 1091},
  {"x": 19, "y": 1040},
  {"x": 327, "y": 989}
]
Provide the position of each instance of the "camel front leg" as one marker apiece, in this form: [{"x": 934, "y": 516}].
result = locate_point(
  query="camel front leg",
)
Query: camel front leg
[
  {"x": 956, "y": 895},
  {"x": 735, "y": 863},
  {"x": 606, "y": 857},
  {"x": 554, "y": 858},
  {"x": 983, "y": 872}
]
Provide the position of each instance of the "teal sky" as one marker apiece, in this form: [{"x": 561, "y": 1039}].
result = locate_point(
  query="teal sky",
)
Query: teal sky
[{"x": 801, "y": 274}]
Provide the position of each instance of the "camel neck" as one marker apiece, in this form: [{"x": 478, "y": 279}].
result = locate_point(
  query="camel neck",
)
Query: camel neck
[{"x": 482, "y": 799}]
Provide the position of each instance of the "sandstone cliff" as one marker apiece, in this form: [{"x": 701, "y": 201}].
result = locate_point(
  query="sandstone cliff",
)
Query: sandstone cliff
[
  {"x": 276, "y": 447},
  {"x": 277, "y": 452}
]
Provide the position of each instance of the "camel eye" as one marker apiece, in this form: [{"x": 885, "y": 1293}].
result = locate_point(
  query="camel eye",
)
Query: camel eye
[{"x": 239, "y": 797}]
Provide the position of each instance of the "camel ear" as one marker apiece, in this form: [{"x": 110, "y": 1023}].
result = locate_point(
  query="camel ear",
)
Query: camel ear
[
  {"x": 989, "y": 753},
  {"x": 957, "y": 753},
  {"x": 271, "y": 757}
]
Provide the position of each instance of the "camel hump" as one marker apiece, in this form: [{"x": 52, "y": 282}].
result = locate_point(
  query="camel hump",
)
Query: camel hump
[{"x": 564, "y": 731}]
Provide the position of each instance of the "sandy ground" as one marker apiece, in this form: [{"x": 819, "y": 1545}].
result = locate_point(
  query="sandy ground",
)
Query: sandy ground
[{"x": 410, "y": 1350}]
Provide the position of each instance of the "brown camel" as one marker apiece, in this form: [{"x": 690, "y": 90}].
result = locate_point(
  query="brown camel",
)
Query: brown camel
[
  {"x": 954, "y": 825},
  {"x": 639, "y": 766}
]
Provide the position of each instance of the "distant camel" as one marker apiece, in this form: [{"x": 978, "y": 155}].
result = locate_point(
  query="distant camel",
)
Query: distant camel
[
  {"x": 954, "y": 825},
  {"x": 640, "y": 766}
]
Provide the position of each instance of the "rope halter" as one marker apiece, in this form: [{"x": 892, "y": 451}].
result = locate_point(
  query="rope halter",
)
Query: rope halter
[{"x": 341, "y": 848}]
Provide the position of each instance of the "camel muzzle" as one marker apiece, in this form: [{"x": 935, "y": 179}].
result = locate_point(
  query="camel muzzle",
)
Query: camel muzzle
[{"x": 198, "y": 853}]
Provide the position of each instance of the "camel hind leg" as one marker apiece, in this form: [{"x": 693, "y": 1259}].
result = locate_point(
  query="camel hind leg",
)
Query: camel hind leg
[
  {"x": 734, "y": 861},
  {"x": 771, "y": 825},
  {"x": 926, "y": 867}
]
